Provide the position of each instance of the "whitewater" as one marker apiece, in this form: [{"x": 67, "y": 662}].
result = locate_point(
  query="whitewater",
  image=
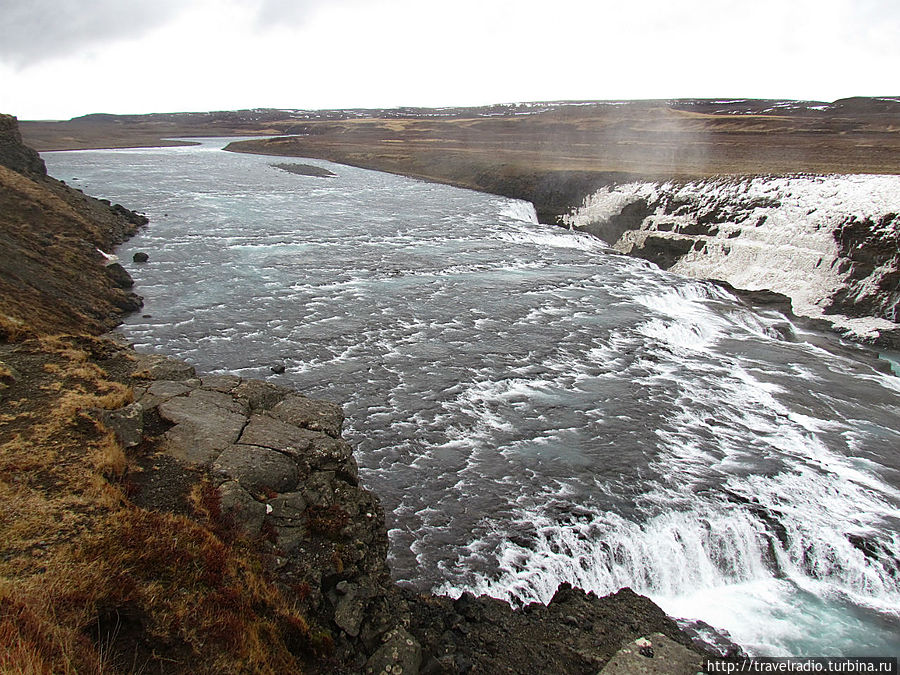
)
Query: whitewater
[{"x": 530, "y": 407}]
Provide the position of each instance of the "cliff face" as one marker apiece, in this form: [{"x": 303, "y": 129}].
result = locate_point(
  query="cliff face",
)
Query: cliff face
[
  {"x": 53, "y": 275},
  {"x": 14, "y": 154},
  {"x": 829, "y": 243},
  {"x": 156, "y": 518}
]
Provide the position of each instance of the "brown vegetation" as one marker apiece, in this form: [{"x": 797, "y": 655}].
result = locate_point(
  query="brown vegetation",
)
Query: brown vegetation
[{"x": 90, "y": 582}]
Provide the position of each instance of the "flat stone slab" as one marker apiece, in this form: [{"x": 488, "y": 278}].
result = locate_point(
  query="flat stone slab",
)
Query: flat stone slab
[
  {"x": 161, "y": 391},
  {"x": 261, "y": 395},
  {"x": 222, "y": 383},
  {"x": 310, "y": 414},
  {"x": 654, "y": 655},
  {"x": 206, "y": 423},
  {"x": 269, "y": 432},
  {"x": 258, "y": 469}
]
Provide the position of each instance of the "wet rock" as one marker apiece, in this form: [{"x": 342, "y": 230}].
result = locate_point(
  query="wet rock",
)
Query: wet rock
[
  {"x": 240, "y": 505},
  {"x": 258, "y": 469},
  {"x": 399, "y": 653},
  {"x": 665, "y": 251},
  {"x": 653, "y": 655},
  {"x": 136, "y": 219},
  {"x": 629, "y": 218},
  {"x": 140, "y": 257},
  {"x": 706, "y": 638},
  {"x": 127, "y": 302},
  {"x": 311, "y": 414},
  {"x": 277, "y": 368}
]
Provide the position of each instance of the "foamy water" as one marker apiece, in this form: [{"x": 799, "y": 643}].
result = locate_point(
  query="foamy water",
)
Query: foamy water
[{"x": 531, "y": 409}]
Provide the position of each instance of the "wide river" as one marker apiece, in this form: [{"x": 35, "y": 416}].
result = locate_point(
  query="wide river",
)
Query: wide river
[{"x": 531, "y": 408}]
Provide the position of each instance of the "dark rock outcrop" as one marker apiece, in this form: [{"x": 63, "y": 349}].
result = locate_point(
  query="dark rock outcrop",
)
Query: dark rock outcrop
[
  {"x": 51, "y": 237},
  {"x": 869, "y": 245},
  {"x": 629, "y": 218},
  {"x": 282, "y": 471},
  {"x": 16, "y": 155}
]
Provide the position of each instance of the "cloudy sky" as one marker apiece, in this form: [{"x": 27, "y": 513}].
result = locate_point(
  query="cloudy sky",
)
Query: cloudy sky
[{"x": 62, "y": 58}]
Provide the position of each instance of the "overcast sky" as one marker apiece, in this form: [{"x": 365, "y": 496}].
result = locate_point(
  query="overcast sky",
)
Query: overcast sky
[{"x": 62, "y": 58}]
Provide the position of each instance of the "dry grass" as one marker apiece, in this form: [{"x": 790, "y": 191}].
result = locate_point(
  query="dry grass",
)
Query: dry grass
[
  {"x": 90, "y": 583},
  {"x": 13, "y": 329}
]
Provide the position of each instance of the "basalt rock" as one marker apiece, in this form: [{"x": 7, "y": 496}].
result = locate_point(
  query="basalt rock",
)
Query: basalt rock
[
  {"x": 119, "y": 275},
  {"x": 15, "y": 154}
]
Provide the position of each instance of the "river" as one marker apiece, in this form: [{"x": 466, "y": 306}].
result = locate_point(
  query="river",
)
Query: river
[{"x": 531, "y": 408}]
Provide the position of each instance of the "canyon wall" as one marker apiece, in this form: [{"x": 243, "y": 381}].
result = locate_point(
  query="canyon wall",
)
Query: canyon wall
[{"x": 830, "y": 243}]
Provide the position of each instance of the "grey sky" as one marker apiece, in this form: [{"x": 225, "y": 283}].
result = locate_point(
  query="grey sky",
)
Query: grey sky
[
  {"x": 37, "y": 30},
  {"x": 60, "y": 58}
]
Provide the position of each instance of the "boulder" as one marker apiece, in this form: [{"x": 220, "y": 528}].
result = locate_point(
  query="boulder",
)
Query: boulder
[
  {"x": 126, "y": 423},
  {"x": 258, "y": 469},
  {"x": 311, "y": 414},
  {"x": 399, "y": 653},
  {"x": 119, "y": 275},
  {"x": 350, "y": 610},
  {"x": 140, "y": 257},
  {"x": 261, "y": 395},
  {"x": 655, "y": 654}
]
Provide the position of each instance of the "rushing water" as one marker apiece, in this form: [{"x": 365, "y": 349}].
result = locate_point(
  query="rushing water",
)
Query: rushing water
[{"x": 530, "y": 408}]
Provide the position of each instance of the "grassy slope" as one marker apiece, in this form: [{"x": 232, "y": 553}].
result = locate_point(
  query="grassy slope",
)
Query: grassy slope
[{"x": 90, "y": 582}]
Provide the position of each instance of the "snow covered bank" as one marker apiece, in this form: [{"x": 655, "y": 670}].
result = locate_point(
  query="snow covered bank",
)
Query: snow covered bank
[{"x": 831, "y": 243}]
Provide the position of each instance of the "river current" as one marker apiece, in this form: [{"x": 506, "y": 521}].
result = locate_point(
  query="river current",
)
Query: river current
[{"x": 531, "y": 408}]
